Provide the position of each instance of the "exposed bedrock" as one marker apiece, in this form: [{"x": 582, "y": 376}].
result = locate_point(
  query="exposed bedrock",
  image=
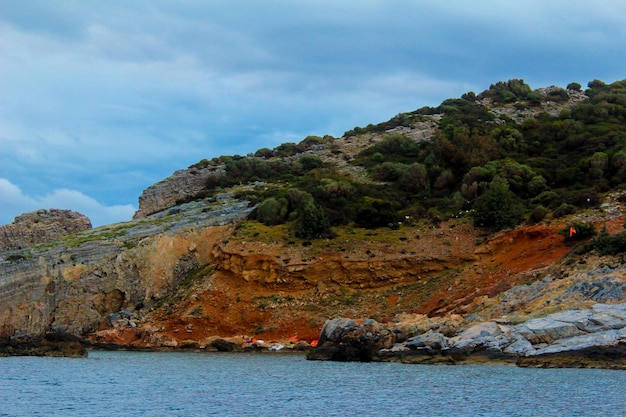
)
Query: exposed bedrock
[{"x": 582, "y": 338}]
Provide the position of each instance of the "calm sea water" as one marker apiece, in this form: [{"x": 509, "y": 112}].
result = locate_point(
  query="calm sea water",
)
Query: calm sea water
[{"x": 204, "y": 384}]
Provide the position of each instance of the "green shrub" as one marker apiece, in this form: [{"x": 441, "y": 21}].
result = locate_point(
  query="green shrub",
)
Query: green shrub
[
  {"x": 444, "y": 183},
  {"x": 310, "y": 141},
  {"x": 558, "y": 95},
  {"x": 505, "y": 92},
  {"x": 286, "y": 149},
  {"x": 538, "y": 214},
  {"x": 203, "y": 163},
  {"x": 397, "y": 144},
  {"x": 272, "y": 211},
  {"x": 607, "y": 244},
  {"x": 264, "y": 153},
  {"x": 563, "y": 210},
  {"x": 414, "y": 179},
  {"x": 378, "y": 158},
  {"x": 578, "y": 231},
  {"x": 574, "y": 86},
  {"x": 375, "y": 212},
  {"x": 296, "y": 196},
  {"x": 389, "y": 171},
  {"x": 310, "y": 162}
]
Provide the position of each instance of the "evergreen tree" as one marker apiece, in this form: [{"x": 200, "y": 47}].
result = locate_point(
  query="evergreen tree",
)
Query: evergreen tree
[
  {"x": 497, "y": 207},
  {"x": 312, "y": 220}
]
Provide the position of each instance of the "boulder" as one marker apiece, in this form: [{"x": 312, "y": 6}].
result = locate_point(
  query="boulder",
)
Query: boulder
[
  {"x": 609, "y": 316},
  {"x": 519, "y": 346},
  {"x": 581, "y": 338},
  {"x": 609, "y": 338},
  {"x": 335, "y": 329},
  {"x": 224, "y": 345},
  {"x": 475, "y": 337},
  {"x": 607, "y": 289},
  {"x": 429, "y": 340},
  {"x": 344, "y": 340},
  {"x": 547, "y": 330}
]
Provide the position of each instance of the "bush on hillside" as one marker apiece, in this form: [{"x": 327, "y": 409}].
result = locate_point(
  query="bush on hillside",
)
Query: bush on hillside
[
  {"x": 607, "y": 244},
  {"x": 497, "y": 208},
  {"x": 312, "y": 222},
  {"x": 272, "y": 211},
  {"x": 578, "y": 231}
]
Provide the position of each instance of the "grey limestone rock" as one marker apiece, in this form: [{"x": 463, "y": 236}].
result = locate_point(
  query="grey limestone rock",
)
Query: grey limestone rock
[
  {"x": 429, "y": 340},
  {"x": 181, "y": 186},
  {"x": 39, "y": 227},
  {"x": 547, "y": 330},
  {"x": 587, "y": 337},
  {"x": 476, "y": 336}
]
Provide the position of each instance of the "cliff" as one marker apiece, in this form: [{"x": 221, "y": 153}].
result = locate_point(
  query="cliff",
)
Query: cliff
[{"x": 68, "y": 288}]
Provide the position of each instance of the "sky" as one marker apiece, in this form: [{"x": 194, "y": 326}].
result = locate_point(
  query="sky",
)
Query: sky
[{"x": 99, "y": 100}]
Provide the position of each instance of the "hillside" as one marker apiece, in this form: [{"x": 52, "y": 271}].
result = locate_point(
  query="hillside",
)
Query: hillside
[{"x": 443, "y": 216}]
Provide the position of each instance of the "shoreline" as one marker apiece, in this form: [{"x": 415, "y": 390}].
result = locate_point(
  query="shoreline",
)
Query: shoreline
[{"x": 577, "y": 359}]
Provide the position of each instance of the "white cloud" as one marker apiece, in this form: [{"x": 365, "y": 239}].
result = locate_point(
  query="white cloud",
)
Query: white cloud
[{"x": 15, "y": 202}]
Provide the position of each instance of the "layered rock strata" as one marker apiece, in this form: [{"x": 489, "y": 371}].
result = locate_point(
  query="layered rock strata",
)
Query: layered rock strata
[{"x": 60, "y": 292}]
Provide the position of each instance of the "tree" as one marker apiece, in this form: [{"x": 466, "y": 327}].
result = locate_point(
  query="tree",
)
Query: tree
[
  {"x": 497, "y": 207},
  {"x": 312, "y": 221},
  {"x": 263, "y": 153},
  {"x": 414, "y": 179},
  {"x": 574, "y": 86}
]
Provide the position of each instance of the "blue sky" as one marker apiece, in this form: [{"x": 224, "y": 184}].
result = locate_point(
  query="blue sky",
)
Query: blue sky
[{"x": 99, "y": 100}]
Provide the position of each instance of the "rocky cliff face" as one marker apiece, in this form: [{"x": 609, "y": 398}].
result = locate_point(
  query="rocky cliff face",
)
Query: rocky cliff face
[
  {"x": 71, "y": 286},
  {"x": 40, "y": 227},
  {"x": 182, "y": 186},
  {"x": 185, "y": 276}
]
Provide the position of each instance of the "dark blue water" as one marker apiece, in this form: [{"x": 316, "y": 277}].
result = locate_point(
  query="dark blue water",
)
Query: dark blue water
[{"x": 203, "y": 384}]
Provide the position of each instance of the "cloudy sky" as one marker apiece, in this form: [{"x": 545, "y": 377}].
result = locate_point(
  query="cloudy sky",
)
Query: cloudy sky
[{"x": 99, "y": 100}]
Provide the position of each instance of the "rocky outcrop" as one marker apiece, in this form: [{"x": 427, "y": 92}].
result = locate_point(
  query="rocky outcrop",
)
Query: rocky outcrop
[
  {"x": 344, "y": 340},
  {"x": 44, "y": 347},
  {"x": 184, "y": 185},
  {"x": 41, "y": 226},
  {"x": 583, "y": 338},
  {"x": 80, "y": 284}
]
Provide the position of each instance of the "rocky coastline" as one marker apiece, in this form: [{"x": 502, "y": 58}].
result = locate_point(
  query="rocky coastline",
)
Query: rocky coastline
[
  {"x": 190, "y": 272},
  {"x": 584, "y": 338},
  {"x": 124, "y": 287}
]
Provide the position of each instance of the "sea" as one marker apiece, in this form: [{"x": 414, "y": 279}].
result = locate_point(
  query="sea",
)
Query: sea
[{"x": 122, "y": 383}]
